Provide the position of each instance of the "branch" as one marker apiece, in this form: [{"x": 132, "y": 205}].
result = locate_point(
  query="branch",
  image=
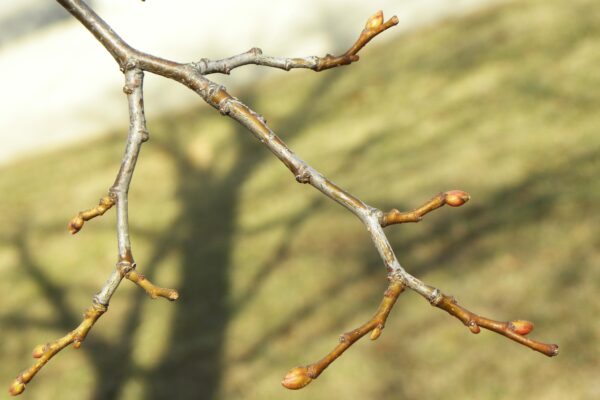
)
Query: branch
[
  {"x": 373, "y": 27},
  {"x": 514, "y": 330},
  {"x": 152, "y": 290},
  {"x": 117, "y": 195},
  {"x": 299, "y": 377},
  {"x": 454, "y": 198},
  {"x": 76, "y": 223},
  {"x": 44, "y": 352},
  {"x": 133, "y": 62},
  {"x": 373, "y": 218}
]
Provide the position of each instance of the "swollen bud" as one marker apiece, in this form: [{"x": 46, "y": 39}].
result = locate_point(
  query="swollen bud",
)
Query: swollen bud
[
  {"x": 16, "y": 387},
  {"x": 521, "y": 327},
  {"x": 75, "y": 225},
  {"x": 38, "y": 350},
  {"x": 375, "y": 20},
  {"x": 296, "y": 378},
  {"x": 375, "y": 333},
  {"x": 456, "y": 198}
]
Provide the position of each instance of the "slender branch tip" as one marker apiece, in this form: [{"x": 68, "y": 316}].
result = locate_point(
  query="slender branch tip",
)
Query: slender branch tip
[
  {"x": 104, "y": 204},
  {"x": 296, "y": 378},
  {"x": 453, "y": 198},
  {"x": 153, "y": 291},
  {"x": 456, "y": 198}
]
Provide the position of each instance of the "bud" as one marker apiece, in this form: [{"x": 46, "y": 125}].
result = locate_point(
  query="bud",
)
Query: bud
[
  {"x": 375, "y": 333},
  {"x": 77, "y": 344},
  {"x": 75, "y": 225},
  {"x": 16, "y": 387},
  {"x": 375, "y": 21},
  {"x": 521, "y": 327},
  {"x": 456, "y": 198},
  {"x": 296, "y": 378},
  {"x": 38, "y": 350}
]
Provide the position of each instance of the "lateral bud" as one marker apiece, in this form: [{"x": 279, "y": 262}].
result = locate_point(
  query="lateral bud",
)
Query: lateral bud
[
  {"x": 296, "y": 378},
  {"x": 38, "y": 350},
  {"x": 376, "y": 332},
  {"x": 456, "y": 198},
  {"x": 375, "y": 20},
  {"x": 521, "y": 326}
]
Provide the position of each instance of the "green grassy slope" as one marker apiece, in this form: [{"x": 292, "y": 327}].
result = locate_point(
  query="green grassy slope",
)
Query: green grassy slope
[{"x": 503, "y": 104}]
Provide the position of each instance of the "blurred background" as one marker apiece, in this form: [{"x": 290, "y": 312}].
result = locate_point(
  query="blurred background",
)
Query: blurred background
[{"x": 497, "y": 98}]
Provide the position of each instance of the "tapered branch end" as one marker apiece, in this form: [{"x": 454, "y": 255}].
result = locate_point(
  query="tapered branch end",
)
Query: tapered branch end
[
  {"x": 456, "y": 198},
  {"x": 77, "y": 222},
  {"x": 16, "y": 388},
  {"x": 296, "y": 378},
  {"x": 171, "y": 294},
  {"x": 75, "y": 225},
  {"x": 552, "y": 350},
  {"x": 153, "y": 291}
]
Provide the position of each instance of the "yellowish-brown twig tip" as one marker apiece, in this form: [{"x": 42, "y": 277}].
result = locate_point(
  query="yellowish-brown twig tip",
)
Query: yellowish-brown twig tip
[
  {"x": 16, "y": 388},
  {"x": 514, "y": 330},
  {"x": 44, "y": 352},
  {"x": 77, "y": 222},
  {"x": 153, "y": 291},
  {"x": 296, "y": 378},
  {"x": 456, "y": 198},
  {"x": 521, "y": 327}
]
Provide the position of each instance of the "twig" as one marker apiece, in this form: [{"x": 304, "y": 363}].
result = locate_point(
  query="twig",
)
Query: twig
[
  {"x": 133, "y": 62},
  {"x": 125, "y": 266},
  {"x": 152, "y": 290},
  {"x": 515, "y": 330},
  {"x": 77, "y": 222},
  {"x": 453, "y": 198},
  {"x": 45, "y": 352},
  {"x": 373, "y": 27},
  {"x": 299, "y": 377}
]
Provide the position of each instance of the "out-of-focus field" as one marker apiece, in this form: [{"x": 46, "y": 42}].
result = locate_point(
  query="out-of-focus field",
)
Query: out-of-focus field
[{"x": 503, "y": 104}]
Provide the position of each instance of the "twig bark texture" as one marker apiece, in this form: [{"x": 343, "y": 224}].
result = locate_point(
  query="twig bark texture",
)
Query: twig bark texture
[{"x": 134, "y": 63}]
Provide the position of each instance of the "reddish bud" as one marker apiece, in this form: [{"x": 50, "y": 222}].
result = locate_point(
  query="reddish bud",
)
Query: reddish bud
[
  {"x": 296, "y": 378},
  {"x": 38, "y": 350},
  {"x": 456, "y": 198},
  {"x": 375, "y": 21},
  {"x": 521, "y": 327},
  {"x": 16, "y": 387},
  {"x": 76, "y": 344}
]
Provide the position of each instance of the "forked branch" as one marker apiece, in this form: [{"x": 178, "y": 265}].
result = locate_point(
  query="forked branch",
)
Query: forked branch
[
  {"x": 44, "y": 352},
  {"x": 133, "y": 63},
  {"x": 299, "y": 377},
  {"x": 125, "y": 266}
]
